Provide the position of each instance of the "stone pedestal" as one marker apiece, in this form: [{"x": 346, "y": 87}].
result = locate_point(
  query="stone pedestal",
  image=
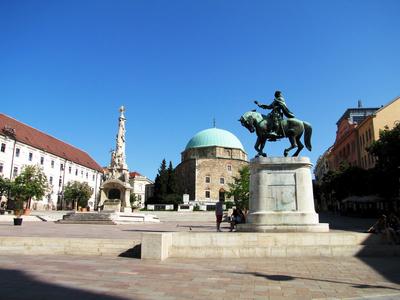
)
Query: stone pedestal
[
  {"x": 281, "y": 196},
  {"x": 112, "y": 205}
]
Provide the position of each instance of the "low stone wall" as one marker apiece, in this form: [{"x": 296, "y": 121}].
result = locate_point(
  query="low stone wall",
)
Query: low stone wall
[
  {"x": 241, "y": 245},
  {"x": 68, "y": 246},
  {"x": 163, "y": 245}
]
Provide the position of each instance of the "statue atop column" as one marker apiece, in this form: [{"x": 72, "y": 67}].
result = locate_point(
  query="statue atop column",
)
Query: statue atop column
[
  {"x": 118, "y": 169},
  {"x": 115, "y": 191},
  {"x": 120, "y": 144}
]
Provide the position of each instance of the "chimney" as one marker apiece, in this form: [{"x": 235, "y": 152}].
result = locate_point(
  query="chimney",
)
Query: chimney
[{"x": 359, "y": 104}]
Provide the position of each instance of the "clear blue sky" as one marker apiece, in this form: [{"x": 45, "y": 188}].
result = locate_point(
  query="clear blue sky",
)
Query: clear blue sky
[{"x": 67, "y": 66}]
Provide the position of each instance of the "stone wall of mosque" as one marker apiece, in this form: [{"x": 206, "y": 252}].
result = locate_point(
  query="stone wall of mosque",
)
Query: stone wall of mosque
[
  {"x": 213, "y": 176},
  {"x": 205, "y": 173}
]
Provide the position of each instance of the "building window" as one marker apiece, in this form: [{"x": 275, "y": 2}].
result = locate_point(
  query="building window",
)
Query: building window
[
  {"x": 207, "y": 194},
  {"x": 15, "y": 171},
  {"x": 61, "y": 167},
  {"x": 87, "y": 175},
  {"x": 30, "y": 156},
  {"x": 51, "y": 180},
  {"x": 60, "y": 181},
  {"x": 1, "y": 168},
  {"x": 222, "y": 180},
  {"x": 81, "y": 173},
  {"x": 3, "y": 147},
  {"x": 76, "y": 172},
  {"x": 93, "y": 177},
  {"x": 52, "y": 163},
  {"x": 208, "y": 179},
  {"x": 42, "y": 160},
  {"x": 229, "y": 168},
  {"x": 69, "y": 170},
  {"x": 17, "y": 151}
]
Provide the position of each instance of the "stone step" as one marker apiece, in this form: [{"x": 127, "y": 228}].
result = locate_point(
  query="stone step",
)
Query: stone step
[
  {"x": 284, "y": 251},
  {"x": 66, "y": 246},
  {"x": 94, "y": 221},
  {"x": 88, "y": 216},
  {"x": 107, "y": 218}
]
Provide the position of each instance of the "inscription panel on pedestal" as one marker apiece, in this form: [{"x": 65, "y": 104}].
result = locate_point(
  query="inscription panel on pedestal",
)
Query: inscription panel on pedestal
[{"x": 281, "y": 189}]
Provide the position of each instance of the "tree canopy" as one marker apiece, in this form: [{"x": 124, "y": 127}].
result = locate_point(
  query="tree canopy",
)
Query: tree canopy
[
  {"x": 387, "y": 169},
  {"x": 382, "y": 180},
  {"x": 31, "y": 183},
  {"x": 78, "y": 192},
  {"x": 239, "y": 189},
  {"x": 165, "y": 186},
  {"x": 5, "y": 186}
]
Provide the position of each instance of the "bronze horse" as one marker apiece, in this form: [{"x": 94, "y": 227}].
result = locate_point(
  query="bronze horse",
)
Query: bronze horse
[{"x": 291, "y": 128}]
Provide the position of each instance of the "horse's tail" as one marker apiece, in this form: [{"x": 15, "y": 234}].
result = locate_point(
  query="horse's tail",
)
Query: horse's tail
[{"x": 307, "y": 135}]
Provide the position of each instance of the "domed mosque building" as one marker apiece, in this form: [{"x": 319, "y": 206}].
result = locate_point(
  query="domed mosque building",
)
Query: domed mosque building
[{"x": 209, "y": 162}]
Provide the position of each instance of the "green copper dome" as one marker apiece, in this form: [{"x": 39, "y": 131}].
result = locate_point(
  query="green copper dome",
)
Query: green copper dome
[{"x": 214, "y": 137}]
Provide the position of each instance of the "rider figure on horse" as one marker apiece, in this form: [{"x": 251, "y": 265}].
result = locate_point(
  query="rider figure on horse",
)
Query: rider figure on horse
[{"x": 279, "y": 109}]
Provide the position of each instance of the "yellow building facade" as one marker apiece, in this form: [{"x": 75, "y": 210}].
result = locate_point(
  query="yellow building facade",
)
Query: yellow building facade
[{"x": 368, "y": 131}]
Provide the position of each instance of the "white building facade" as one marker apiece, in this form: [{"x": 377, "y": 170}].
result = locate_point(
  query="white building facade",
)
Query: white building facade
[
  {"x": 22, "y": 145},
  {"x": 141, "y": 188}
]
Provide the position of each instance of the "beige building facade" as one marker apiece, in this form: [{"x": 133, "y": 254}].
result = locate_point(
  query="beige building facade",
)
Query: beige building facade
[{"x": 141, "y": 188}]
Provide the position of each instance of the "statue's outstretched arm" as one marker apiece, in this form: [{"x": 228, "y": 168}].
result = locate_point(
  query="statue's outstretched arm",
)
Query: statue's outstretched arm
[{"x": 264, "y": 106}]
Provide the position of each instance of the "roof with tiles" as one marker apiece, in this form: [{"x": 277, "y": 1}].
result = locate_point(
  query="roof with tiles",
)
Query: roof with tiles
[
  {"x": 30, "y": 136},
  {"x": 134, "y": 174}
]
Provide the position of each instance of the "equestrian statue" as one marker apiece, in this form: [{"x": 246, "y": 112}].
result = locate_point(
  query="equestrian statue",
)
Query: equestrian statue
[{"x": 274, "y": 126}]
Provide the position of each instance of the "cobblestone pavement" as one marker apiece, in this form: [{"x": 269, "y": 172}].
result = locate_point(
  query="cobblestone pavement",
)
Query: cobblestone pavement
[
  {"x": 51, "y": 229},
  {"x": 107, "y": 278},
  {"x": 104, "y": 278}
]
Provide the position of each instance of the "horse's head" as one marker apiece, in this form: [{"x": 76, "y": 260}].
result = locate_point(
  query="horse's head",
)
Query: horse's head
[{"x": 247, "y": 121}]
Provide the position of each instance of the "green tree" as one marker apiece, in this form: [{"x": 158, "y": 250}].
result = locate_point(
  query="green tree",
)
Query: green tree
[
  {"x": 77, "y": 193},
  {"x": 171, "y": 183},
  {"x": 387, "y": 169},
  {"x": 31, "y": 183},
  {"x": 133, "y": 200},
  {"x": 165, "y": 186},
  {"x": 5, "y": 186},
  {"x": 239, "y": 189},
  {"x": 345, "y": 182},
  {"x": 161, "y": 182}
]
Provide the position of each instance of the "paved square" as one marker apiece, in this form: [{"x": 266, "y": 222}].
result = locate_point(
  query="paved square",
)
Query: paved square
[{"x": 105, "y": 278}]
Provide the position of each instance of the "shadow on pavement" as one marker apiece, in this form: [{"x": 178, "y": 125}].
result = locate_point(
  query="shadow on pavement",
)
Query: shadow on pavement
[
  {"x": 388, "y": 266},
  {"x": 290, "y": 278},
  {"x": 338, "y": 222},
  {"x": 17, "y": 285}
]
